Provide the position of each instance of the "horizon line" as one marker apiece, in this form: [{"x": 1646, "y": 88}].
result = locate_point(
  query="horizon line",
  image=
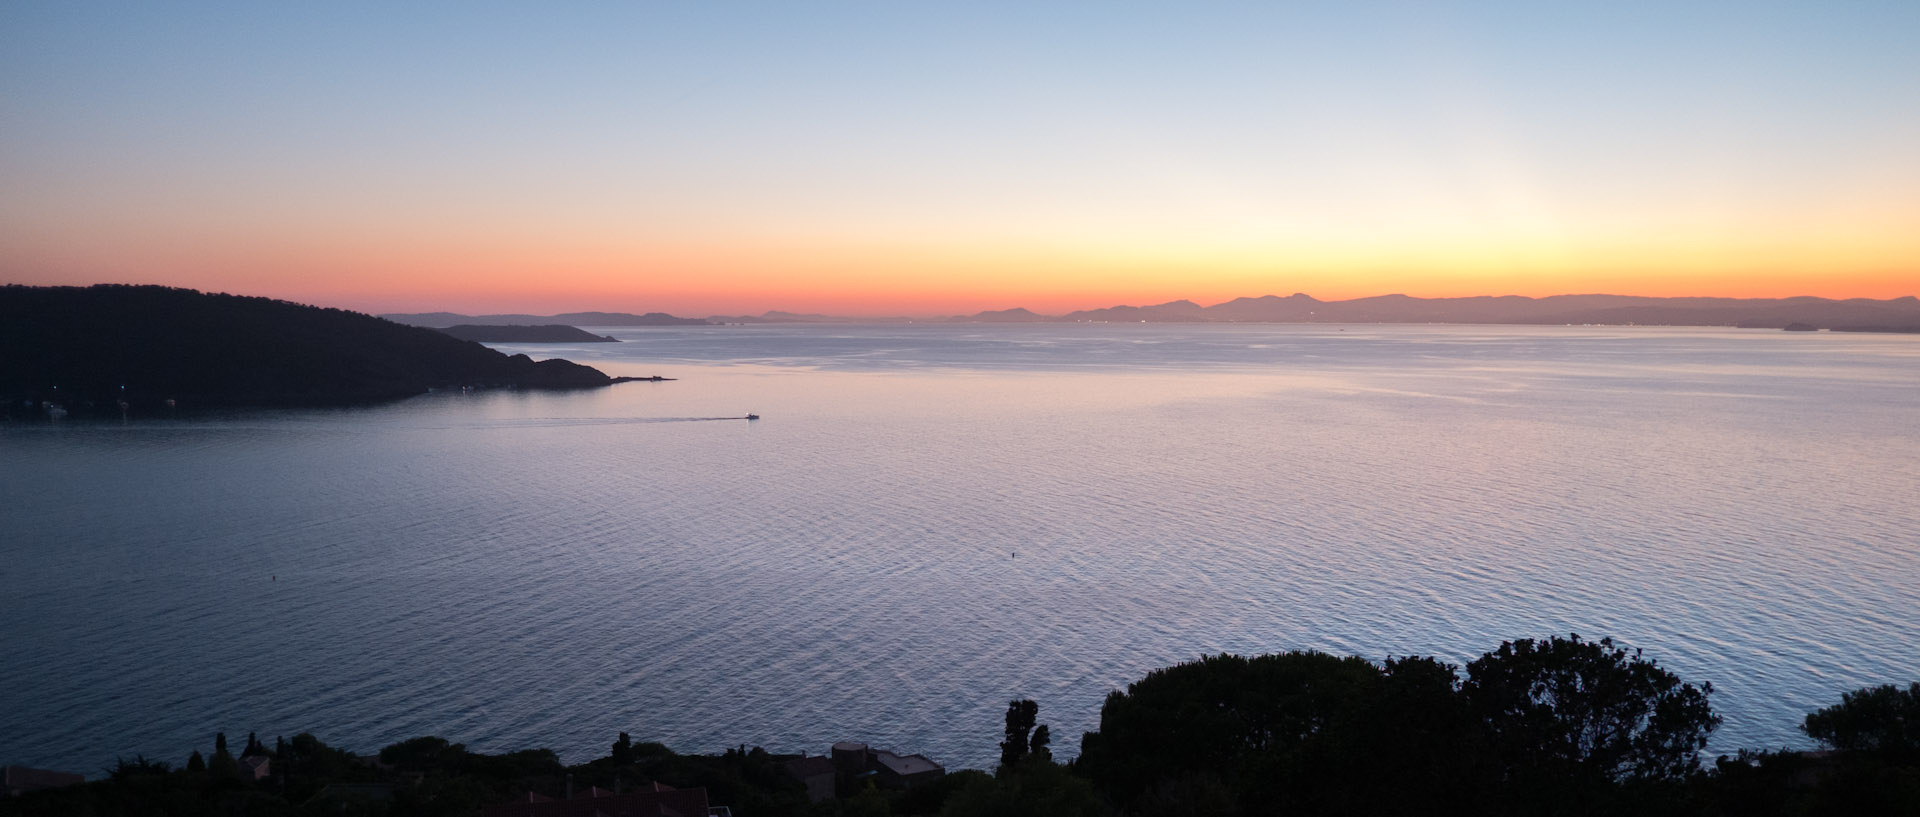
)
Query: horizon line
[
  {"x": 1016, "y": 308},
  {"x": 360, "y": 304}
]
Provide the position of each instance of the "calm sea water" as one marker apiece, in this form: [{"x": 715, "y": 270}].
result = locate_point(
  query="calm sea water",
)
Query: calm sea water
[{"x": 931, "y": 520}]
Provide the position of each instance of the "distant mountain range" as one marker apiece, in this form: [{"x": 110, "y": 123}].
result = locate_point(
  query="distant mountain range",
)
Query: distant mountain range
[
  {"x": 776, "y": 316},
  {"x": 515, "y": 333},
  {"x": 1853, "y": 314},
  {"x": 443, "y": 320},
  {"x": 1856, "y": 314}
]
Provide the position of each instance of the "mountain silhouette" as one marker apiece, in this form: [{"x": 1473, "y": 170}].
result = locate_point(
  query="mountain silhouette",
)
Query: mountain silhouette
[{"x": 1859, "y": 314}]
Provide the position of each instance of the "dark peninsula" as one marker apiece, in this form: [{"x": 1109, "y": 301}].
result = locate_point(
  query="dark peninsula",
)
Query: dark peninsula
[
  {"x": 515, "y": 333},
  {"x": 153, "y": 348}
]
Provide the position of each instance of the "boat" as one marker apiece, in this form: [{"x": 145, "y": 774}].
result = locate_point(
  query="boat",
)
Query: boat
[{"x": 753, "y": 416}]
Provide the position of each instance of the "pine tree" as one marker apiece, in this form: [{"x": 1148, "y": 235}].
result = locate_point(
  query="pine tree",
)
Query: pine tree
[
  {"x": 1020, "y": 716},
  {"x": 623, "y": 750},
  {"x": 222, "y": 764}
]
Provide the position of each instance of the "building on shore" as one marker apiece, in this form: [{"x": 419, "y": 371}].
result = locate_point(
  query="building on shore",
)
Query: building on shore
[
  {"x": 816, "y": 773},
  {"x": 18, "y": 780},
  {"x": 857, "y": 762}
]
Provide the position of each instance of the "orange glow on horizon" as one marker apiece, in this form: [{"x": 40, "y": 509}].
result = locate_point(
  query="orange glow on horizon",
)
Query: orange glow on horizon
[{"x": 544, "y": 271}]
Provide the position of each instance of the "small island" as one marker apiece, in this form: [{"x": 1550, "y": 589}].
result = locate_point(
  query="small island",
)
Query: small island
[
  {"x": 116, "y": 349},
  {"x": 520, "y": 333}
]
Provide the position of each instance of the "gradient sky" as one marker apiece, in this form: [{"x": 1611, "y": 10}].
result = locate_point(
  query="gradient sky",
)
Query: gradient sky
[{"x": 937, "y": 158}]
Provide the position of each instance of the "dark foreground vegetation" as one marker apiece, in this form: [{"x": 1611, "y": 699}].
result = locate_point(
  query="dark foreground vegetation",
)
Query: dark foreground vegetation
[
  {"x": 1561, "y": 726},
  {"x": 157, "y": 350}
]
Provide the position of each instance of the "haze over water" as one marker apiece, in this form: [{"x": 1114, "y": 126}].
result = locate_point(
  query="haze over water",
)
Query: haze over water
[{"x": 932, "y": 520}]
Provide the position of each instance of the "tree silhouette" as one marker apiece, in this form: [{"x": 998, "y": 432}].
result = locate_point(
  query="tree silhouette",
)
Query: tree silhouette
[
  {"x": 1882, "y": 719},
  {"x": 1566, "y": 708},
  {"x": 1021, "y": 713},
  {"x": 222, "y": 764},
  {"x": 423, "y": 753},
  {"x": 623, "y": 750},
  {"x": 1039, "y": 790},
  {"x": 1039, "y": 748},
  {"x": 1270, "y": 733},
  {"x": 124, "y": 769}
]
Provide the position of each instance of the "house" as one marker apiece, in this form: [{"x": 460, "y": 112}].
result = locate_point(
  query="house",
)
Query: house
[
  {"x": 816, "y": 773},
  {"x": 855, "y": 761},
  {"x": 18, "y": 780},
  {"x": 905, "y": 771},
  {"x": 255, "y": 767}
]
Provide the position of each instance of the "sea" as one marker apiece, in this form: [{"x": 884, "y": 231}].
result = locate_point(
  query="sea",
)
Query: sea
[{"x": 930, "y": 520}]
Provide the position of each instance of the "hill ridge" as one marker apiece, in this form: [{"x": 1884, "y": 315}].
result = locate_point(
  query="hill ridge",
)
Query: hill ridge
[{"x": 1766, "y": 313}]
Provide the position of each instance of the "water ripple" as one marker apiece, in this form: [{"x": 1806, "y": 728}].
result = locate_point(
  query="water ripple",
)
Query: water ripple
[{"x": 933, "y": 520}]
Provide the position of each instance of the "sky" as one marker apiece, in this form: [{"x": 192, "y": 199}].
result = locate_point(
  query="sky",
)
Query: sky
[{"x": 931, "y": 158}]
